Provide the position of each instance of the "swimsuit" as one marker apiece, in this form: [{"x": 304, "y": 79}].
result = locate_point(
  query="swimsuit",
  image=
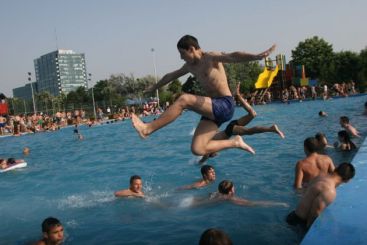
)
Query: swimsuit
[
  {"x": 294, "y": 219},
  {"x": 229, "y": 128},
  {"x": 223, "y": 109},
  {"x": 2, "y": 125}
]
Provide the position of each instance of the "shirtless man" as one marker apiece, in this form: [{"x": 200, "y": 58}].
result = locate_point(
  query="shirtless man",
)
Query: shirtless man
[
  {"x": 344, "y": 123},
  {"x": 216, "y": 108},
  {"x": 313, "y": 165},
  {"x": 208, "y": 174},
  {"x": 135, "y": 189},
  {"x": 320, "y": 193},
  {"x": 53, "y": 232},
  {"x": 226, "y": 192}
]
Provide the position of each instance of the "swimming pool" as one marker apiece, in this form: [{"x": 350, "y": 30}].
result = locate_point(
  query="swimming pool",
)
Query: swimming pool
[{"x": 75, "y": 180}]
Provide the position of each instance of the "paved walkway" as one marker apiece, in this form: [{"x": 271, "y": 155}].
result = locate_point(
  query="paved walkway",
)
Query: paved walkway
[{"x": 345, "y": 220}]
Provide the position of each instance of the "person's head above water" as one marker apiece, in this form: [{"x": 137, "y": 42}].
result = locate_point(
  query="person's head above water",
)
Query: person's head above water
[
  {"x": 189, "y": 49},
  {"x": 344, "y": 120},
  {"x": 346, "y": 171},
  {"x": 311, "y": 145},
  {"x": 135, "y": 183},
  {"x": 208, "y": 173},
  {"x": 53, "y": 231},
  {"x": 214, "y": 236},
  {"x": 321, "y": 138},
  {"x": 226, "y": 187},
  {"x": 322, "y": 114}
]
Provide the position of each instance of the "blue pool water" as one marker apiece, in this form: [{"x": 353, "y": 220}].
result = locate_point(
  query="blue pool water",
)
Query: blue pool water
[{"x": 75, "y": 180}]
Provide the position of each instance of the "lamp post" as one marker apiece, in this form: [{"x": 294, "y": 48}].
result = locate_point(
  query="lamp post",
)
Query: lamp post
[
  {"x": 155, "y": 74},
  {"x": 94, "y": 105},
  {"x": 30, "y": 81}
]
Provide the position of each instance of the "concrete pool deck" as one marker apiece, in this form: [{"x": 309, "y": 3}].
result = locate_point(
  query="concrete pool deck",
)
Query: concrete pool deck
[{"x": 343, "y": 222}]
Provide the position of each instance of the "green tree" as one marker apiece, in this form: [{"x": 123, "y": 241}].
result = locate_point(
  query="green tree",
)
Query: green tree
[
  {"x": 175, "y": 87},
  {"x": 346, "y": 66},
  {"x": 314, "y": 53},
  {"x": 245, "y": 73}
]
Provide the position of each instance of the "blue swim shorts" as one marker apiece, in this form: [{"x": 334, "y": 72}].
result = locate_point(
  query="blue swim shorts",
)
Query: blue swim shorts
[{"x": 223, "y": 109}]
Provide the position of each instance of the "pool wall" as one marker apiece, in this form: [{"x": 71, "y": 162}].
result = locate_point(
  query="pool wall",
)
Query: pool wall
[{"x": 343, "y": 222}]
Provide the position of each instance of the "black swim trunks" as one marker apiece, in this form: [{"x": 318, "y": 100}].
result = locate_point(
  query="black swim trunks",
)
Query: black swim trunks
[
  {"x": 223, "y": 109},
  {"x": 294, "y": 219},
  {"x": 229, "y": 128}
]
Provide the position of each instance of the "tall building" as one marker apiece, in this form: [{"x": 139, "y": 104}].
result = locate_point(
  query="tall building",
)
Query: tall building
[{"x": 61, "y": 71}]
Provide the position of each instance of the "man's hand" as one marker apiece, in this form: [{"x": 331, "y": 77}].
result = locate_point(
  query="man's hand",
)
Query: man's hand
[{"x": 267, "y": 52}]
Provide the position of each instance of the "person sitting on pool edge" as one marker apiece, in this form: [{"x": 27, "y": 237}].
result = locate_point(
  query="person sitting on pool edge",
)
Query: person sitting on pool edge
[
  {"x": 319, "y": 194},
  {"x": 313, "y": 165},
  {"x": 135, "y": 189},
  {"x": 53, "y": 232},
  {"x": 208, "y": 174},
  {"x": 8, "y": 163},
  {"x": 226, "y": 192}
]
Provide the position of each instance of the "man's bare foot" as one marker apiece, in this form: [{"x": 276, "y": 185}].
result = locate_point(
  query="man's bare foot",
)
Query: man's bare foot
[
  {"x": 206, "y": 157},
  {"x": 277, "y": 130},
  {"x": 140, "y": 127},
  {"x": 241, "y": 144}
]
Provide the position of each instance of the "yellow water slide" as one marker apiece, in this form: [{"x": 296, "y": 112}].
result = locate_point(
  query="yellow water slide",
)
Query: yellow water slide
[{"x": 266, "y": 78}]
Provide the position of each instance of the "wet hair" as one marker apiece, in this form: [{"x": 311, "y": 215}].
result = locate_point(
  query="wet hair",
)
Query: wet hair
[
  {"x": 344, "y": 119},
  {"x": 188, "y": 41},
  {"x": 319, "y": 136},
  {"x": 49, "y": 223},
  {"x": 134, "y": 177},
  {"x": 346, "y": 138},
  {"x": 365, "y": 104},
  {"x": 2, "y": 160},
  {"x": 311, "y": 144},
  {"x": 346, "y": 171},
  {"x": 205, "y": 169},
  {"x": 320, "y": 113},
  {"x": 214, "y": 236},
  {"x": 225, "y": 186}
]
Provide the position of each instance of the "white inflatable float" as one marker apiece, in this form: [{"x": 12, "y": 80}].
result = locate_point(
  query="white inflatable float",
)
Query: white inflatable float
[{"x": 14, "y": 166}]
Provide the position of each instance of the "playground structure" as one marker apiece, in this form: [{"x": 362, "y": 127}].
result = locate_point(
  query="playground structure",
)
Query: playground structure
[
  {"x": 276, "y": 78},
  {"x": 272, "y": 77}
]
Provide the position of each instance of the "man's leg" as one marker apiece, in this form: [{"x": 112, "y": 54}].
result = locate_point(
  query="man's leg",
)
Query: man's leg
[
  {"x": 201, "y": 105},
  {"x": 239, "y": 130},
  {"x": 203, "y": 142}
]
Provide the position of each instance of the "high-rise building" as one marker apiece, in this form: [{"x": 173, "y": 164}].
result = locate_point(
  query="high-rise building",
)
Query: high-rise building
[{"x": 61, "y": 71}]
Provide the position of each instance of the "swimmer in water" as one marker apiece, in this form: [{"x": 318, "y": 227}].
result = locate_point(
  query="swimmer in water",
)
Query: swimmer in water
[
  {"x": 208, "y": 174},
  {"x": 26, "y": 151},
  {"x": 53, "y": 232},
  {"x": 135, "y": 189},
  {"x": 8, "y": 163},
  {"x": 226, "y": 192}
]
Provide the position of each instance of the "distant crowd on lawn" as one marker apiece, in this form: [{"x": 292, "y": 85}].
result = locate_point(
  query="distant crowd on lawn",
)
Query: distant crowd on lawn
[{"x": 39, "y": 122}]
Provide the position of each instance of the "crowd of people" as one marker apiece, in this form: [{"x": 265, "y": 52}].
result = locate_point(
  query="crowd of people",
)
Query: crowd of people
[{"x": 20, "y": 124}]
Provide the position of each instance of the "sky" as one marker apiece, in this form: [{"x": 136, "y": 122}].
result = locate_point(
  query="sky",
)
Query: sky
[{"x": 117, "y": 36}]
